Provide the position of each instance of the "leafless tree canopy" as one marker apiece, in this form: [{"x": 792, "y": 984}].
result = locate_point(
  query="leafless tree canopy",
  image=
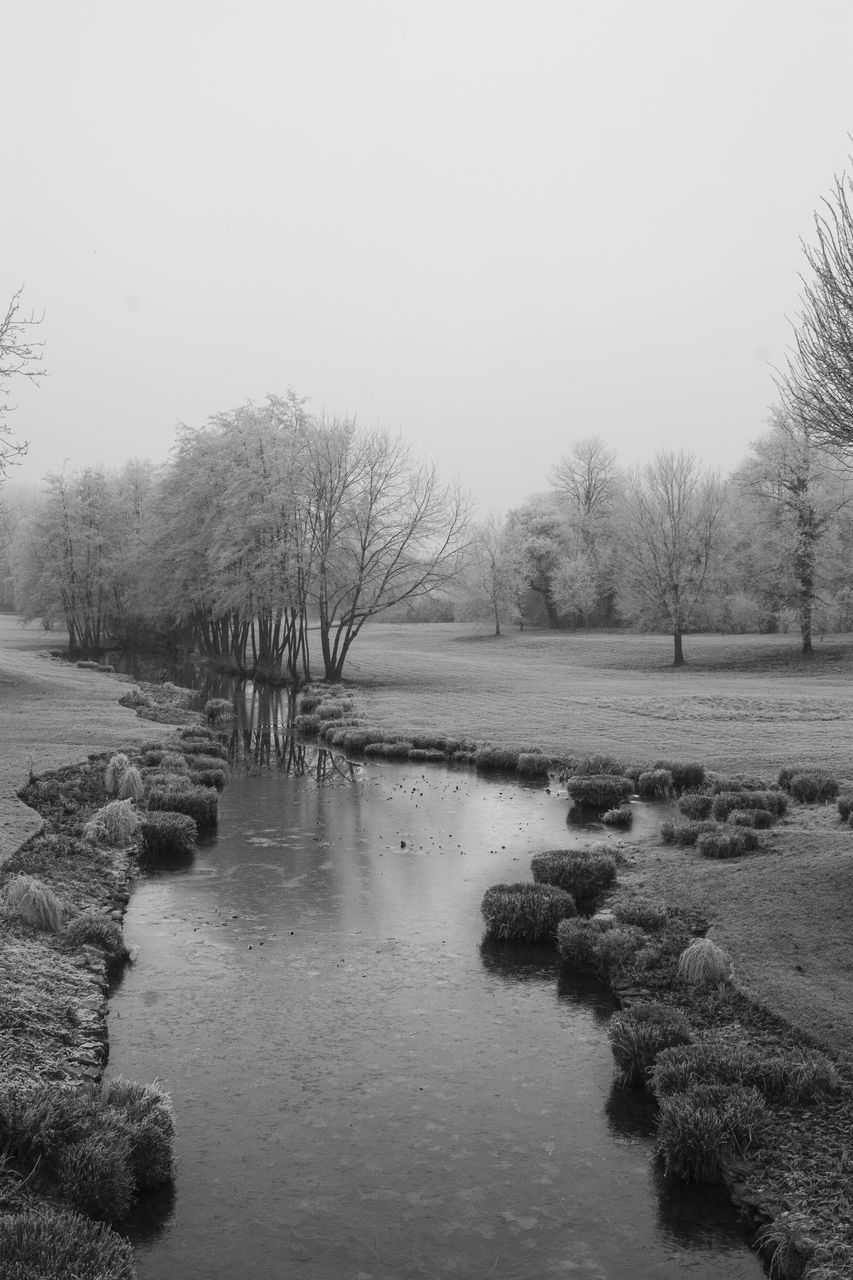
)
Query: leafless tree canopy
[{"x": 20, "y": 357}]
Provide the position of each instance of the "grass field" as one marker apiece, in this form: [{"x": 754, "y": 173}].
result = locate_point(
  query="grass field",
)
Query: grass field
[{"x": 742, "y": 702}]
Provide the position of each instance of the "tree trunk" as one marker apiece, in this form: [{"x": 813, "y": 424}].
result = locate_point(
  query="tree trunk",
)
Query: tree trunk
[{"x": 678, "y": 661}]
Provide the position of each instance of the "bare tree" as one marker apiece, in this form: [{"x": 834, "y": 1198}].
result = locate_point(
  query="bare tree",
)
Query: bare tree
[
  {"x": 672, "y": 511},
  {"x": 20, "y": 357},
  {"x": 586, "y": 479},
  {"x": 492, "y": 578}
]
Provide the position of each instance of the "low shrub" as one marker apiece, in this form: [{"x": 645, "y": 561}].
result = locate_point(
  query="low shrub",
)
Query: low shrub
[
  {"x": 165, "y": 832},
  {"x": 116, "y": 766},
  {"x": 787, "y": 1075},
  {"x": 200, "y": 803},
  {"x": 727, "y": 844},
  {"x": 307, "y": 724},
  {"x": 703, "y": 1128},
  {"x": 775, "y": 802},
  {"x": 685, "y": 833},
  {"x": 648, "y": 913},
  {"x": 53, "y": 1242},
  {"x": 130, "y": 785},
  {"x": 622, "y": 817},
  {"x": 758, "y": 819},
  {"x": 585, "y": 874},
  {"x": 696, "y": 806},
  {"x": 101, "y": 931},
  {"x": 638, "y": 1034},
  {"x": 532, "y": 764},
  {"x": 704, "y": 963},
  {"x": 813, "y": 787},
  {"x": 116, "y": 824},
  {"x": 525, "y": 912},
  {"x": 426, "y": 754},
  {"x": 208, "y": 777},
  {"x": 686, "y": 774},
  {"x": 146, "y": 1116},
  {"x": 496, "y": 759},
  {"x": 599, "y": 790},
  {"x": 218, "y": 709},
  {"x": 577, "y": 940},
  {"x": 655, "y": 784},
  {"x": 34, "y": 902}
]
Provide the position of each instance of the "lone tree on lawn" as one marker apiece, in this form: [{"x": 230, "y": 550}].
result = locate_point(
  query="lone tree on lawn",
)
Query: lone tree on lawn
[
  {"x": 19, "y": 357},
  {"x": 672, "y": 509}
]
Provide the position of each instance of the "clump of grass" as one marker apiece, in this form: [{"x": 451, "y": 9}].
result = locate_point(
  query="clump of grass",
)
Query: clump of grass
[
  {"x": 525, "y": 912},
  {"x": 496, "y": 759},
  {"x": 813, "y": 787},
  {"x": 650, "y": 914},
  {"x": 703, "y": 1128},
  {"x": 791, "y": 1076},
  {"x": 655, "y": 784},
  {"x": 585, "y": 874},
  {"x": 532, "y": 764},
  {"x": 638, "y": 1034},
  {"x": 167, "y": 833},
  {"x": 308, "y": 724},
  {"x": 218, "y": 709},
  {"x": 54, "y": 1242},
  {"x": 577, "y": 940},
  {"x": 685, "y": 833},
  {"x": 199, "y": 803},
  {"x": 696, "y": 806},
  {"x": 34, "y": 902},
  {"x": 116, "y": 825},
  {"x": 727, "y": 844},
  {"x": 617, "y": 950},
  {"x": 587, "y": 766},
  {"x": 130, "y": 786},
  {"x": 845, "y": 805},
  {"x": 686, "y": 774},
  {"x": 758, "y": 819},
  {"x": 117, "y": 765},
  {"x": 621, "y": 817},
  {"x": 93, "y": 929},
  {"x": 145, "y": 1113},
  {"x": 703, "y": 963},
  {"x": 210, "y": 748},
  {"x": 718, "y": 782},
  {"x": 353, "y": 739},
  {"x": 333, "y": 709},
  {"x": 388, "y": 750},
  {"x": 94, "y": 1174},
  {"x": 426, "y": 754},
  {"x": 209, "y": 777},
  {"x": 775, "y": 802},
  {"x": 599, "y": 790}
]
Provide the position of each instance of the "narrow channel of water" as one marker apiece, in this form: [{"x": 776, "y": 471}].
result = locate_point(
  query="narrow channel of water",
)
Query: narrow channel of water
[{"x": 363, "y": 1092}]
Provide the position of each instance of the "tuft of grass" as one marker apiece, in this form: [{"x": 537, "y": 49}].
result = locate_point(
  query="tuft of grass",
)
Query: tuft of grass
[
  {"x": 687, "y": 775},
  {"x": 791, "y": 1076},
  {"x": 577, "y": 940},
  {"x": 116, "y": 766},
  {"x": 426, "y": 754},
  {"x": 101, "y": 931},
  {"x": 496, "y": 759},
  {"x": 130, "y": 786},
  {"x": 775, "y": 802},
  {"x": 147, "y": 1118},
  {"x": 308, "y": 724},
  {"x": 617, "y": 950},
  {"x": 650, "y": 914},
  {"x": 388, "y": 750},
  {"x": 116, "y": 825},
  {"x": 532, "y": 764},
  {"x": 696, "y": 806},
  {"x": 701, "y": 1129},
  {"x": 638, "y": 1034},
  {"x": 165, "y": 832},
  {"x": 719, "y": 782},
  {"x": 34, "y": 902},
  {"x": 590, "y": 765},
  {"x": 218, "y": 709},
  {"x": 94, "y": 1174},
  {"x": 685, "y": 833},
  {"x": 622, "y": 817},
  {"x": 757, "y": 819},
  {"x": 813, "y": 787},
  {"x": 655, "y": 784},
  {"x": 727, "y": 844},
  {"x": 209, "y": 777},
  {"x": 209, "y": 746},
  {"x": 599, "y": 790},
  {"x": 845, "y": 805},
  {"x": 54, "y": 1243},
  {"x": 585, "y": 874},
  {"x": 525, "y": 912},
  {"x": 199, "y": 803},
  {"x": 703, "y": 963}
]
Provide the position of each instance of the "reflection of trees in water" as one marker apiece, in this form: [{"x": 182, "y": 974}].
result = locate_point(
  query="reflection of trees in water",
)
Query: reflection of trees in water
[{"x": 269, "y": 747}]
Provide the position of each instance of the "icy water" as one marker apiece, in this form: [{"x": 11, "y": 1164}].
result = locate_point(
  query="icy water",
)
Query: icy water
[{"x": 363, "y": 1091}]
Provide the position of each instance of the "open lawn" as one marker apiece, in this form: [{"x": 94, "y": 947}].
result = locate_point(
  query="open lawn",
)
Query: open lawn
[{"x": 741, "y": 702}]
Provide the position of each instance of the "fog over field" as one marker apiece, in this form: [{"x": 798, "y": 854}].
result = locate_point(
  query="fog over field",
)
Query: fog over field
[{"x": 493, "y": 226}]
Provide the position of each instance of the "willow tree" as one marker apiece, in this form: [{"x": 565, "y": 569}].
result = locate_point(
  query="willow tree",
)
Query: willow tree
[{"x": 672, "y": 512}]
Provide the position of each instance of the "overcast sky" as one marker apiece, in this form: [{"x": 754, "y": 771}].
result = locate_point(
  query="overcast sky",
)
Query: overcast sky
[{"x": 495, "y": 226}]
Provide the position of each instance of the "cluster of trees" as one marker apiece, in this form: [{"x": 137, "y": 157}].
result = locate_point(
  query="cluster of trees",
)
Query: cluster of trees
[{"x": 269, "y": 532}]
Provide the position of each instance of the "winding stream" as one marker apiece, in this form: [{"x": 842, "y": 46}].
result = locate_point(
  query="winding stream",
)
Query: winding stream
[{"x": 362, "y": 1091}]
